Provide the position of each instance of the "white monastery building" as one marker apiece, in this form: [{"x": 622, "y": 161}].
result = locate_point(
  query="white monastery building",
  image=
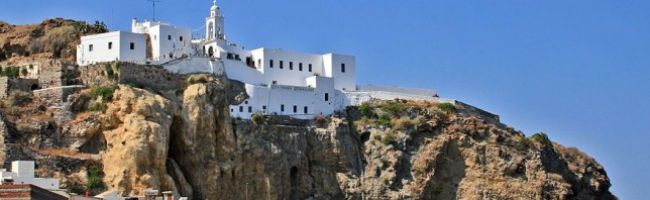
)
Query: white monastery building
[
  {"x": 278, "y": 82},
  {"x": 22, "y": 172}
]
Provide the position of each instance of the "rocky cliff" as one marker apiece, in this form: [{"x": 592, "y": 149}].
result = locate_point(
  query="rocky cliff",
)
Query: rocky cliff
[{"x": 182, "y": 139}]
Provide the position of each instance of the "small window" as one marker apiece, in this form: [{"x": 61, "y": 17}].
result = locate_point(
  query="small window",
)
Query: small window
[
  {"x": 299, "y": 66},
  {"x": 250, "y": 109},
  {"x": 274, "y": 82},
  {"x": 180, "y": 38},
  {"x": 327, "y": 96},
  {"x": 259, "y": 62},
  {"x": 90, "y": 48},
  {"x": 290, "y": 65},
  {"x": 309, "y": 67},
  {"x": 282, "y": 108},
  {"x": 306, "y": 110},
  {"x": 241, "y": 108},
  {"x": 263, "y": 107},
  {"x": 281, "y": 64},
  {"x": 271, "y": 63},
  {"x": 343, "y": 68},
  {"x": 132, "y": 45},
  {"x": 245, "y": 102},
  {"x": 232, "y": 110},
  {"x": 110, "y": 45},
  {"x": 169, "y": 37},
  {"x": 295, "y": 109}
]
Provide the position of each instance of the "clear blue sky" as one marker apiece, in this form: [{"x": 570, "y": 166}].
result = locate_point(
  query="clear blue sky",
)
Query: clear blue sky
[{"x": 578, "y": 70}]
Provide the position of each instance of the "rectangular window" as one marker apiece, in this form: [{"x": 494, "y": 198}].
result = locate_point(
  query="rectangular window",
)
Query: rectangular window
[
  {"x": 290, "y": 65},
  {"x": 169, "y": 37},
  {"x": 263, "y": 107},
  {"x": 295, "y": 109},
  {"x": 282, "y": 108},
  {"x": 271, "y": 63},
  {"x": 309, "y": 67},
  {"x": 274, "y": 82},
  {"x": 281, "y": 64},
  {"x": 306, "y": 110},
  {"x": 250, "y": 109},
  {"x": 90, "y": 48},
  {"x": 259, "y": 62},
  {"x": 132, "y": 45},
  {"x": 327, "y": 96},
  {"x": 180, "y": 38},
  {"x": 343, "y": 68},
  {"x": 299, "y": 66},
  {"x": 110, "y": 45},
  {"x": 241, "y": 108}
]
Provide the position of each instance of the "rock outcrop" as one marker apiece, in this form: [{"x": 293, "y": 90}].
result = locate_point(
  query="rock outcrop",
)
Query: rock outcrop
[
  {"x": 137, "y": 137},
  {"x": 179, "y": 137}
]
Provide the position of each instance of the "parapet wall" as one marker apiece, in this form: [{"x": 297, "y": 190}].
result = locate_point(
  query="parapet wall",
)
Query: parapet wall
[
  {"x": 143, "y": 76},
  {"x": 149, "y": 76}
]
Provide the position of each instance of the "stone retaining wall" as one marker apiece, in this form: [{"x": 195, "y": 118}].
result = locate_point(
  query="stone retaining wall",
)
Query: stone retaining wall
[
  {"x": 7, "y": 85},
  {"x": 142, "y": 76},
  {"x": 56, "y": 95},
  {"x": 149, "y": 76}
]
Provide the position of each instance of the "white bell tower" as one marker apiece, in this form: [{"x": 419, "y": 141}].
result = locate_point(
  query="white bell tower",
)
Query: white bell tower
[{"x": 214, "y": 24}]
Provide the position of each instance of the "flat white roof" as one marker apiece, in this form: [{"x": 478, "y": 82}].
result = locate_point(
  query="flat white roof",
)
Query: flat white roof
[{"x": 108, "y": 34}]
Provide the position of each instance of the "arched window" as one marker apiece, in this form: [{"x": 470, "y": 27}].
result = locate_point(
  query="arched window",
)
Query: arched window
[
  {"x": 210, "y": 52},
  {"x": 210, "y": 30}
]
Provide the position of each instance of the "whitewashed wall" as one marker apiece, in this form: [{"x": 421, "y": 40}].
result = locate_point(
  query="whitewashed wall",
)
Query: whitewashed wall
[{"x": 120, "y": 48}]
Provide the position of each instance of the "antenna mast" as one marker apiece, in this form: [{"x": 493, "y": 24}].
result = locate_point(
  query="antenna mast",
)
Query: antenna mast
[{"x": 153, "y": 4}]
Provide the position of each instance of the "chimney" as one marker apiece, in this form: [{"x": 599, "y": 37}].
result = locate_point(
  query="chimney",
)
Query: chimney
[{"x": 168, "y": 195}]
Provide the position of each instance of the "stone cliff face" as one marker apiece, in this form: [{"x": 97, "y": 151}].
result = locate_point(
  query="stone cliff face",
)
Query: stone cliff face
[
  {"x": 180, "y": 137},
  {"x": 186, "y": 142}
]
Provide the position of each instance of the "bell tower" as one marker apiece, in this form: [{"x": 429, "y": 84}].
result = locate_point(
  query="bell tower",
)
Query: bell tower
[{"x": 214, "y": 24}]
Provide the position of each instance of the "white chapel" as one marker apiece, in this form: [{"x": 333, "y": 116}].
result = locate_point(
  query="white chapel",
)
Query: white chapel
[{"x": 278, "y": 81}]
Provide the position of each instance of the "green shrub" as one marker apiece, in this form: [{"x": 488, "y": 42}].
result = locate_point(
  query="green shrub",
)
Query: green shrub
[
  {"x": 94, "y": 181},
  {"x": 106, "y": 92},
  {"x": 75, "y": 188},
  {"x": 24, "y": 72},
  {"x": 366, "y": 110},
  {"x": 11, "y": 72},
  {"x": 384, "y": 120},
  {"x": 541, "y": 138},
  {"x": 524, "y": 143},
  {"x": 393, "y": 108},
  {"x": 257, "y": 118},
  {"x": 447, "y": 107}
]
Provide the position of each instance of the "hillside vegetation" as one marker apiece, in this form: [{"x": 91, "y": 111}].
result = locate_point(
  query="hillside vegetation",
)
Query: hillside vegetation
[{"x": 52, "y": 38}]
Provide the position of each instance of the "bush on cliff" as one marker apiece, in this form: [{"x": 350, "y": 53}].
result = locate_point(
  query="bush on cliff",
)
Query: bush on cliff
[
  {"x": 541, "y": 138},
  {"x": 94, "y": 182},
  {"x": 447, "y": 107},
  {"x": 393, "y": 108},
  {"x": 106, "y": 92},
  {"x": 257, "y": 118},
  {"x": 366, "y": 110}
]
